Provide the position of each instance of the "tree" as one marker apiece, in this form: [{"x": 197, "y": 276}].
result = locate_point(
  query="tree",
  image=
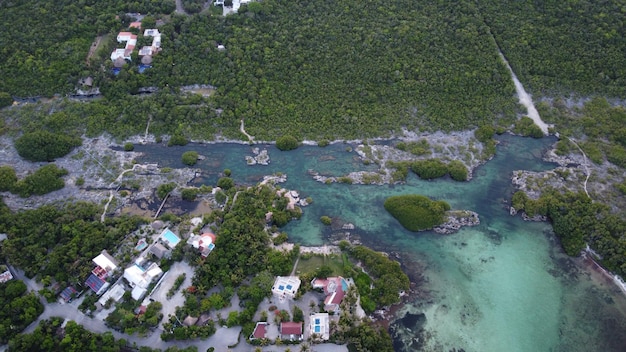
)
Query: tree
[
  {"x": 164, "y": 189},
  {"x": 45, "y": 180},
  {"x": 484, "y": 133},
  {"x": 287, "y": 142},
  {"x": 129, "y": 147},
  {"x": 189, "y": 194}
]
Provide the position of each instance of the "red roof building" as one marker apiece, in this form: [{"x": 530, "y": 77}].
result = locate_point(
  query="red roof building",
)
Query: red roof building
[
  {"x": 259, "y": 331},
  {"x": 291, "y": 331},
  {"x": 334, "y": 288}
]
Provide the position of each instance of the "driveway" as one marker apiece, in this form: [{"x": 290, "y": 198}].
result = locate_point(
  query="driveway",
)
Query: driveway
[{"x": 169, "y": 305}]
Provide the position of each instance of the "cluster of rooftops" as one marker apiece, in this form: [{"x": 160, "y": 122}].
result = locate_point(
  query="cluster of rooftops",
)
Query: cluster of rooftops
[
  {"x": 120, "y": 55},
  {"x": 142, "y": 272},
  {"x": 286, "y": 287}
]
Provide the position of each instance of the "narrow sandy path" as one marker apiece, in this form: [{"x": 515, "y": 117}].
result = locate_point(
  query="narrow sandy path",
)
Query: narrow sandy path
[
  {"x": 242, "y": 129},
  {"x": 525, "y": 99}
]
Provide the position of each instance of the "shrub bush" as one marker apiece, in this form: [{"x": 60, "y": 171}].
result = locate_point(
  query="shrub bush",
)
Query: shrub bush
[
  {"x": 177, "y": 139},
  {"x": 190, "y": 158},
  {"x": 45, "y": 180},
  {"x": 326, "y": 220},
  {"x": 225, "y": 183},
  {"x": 457, "y": 170},
  {"x": 287, "y": 142},
  {"x": 8, "y": 178},
  {"x": 429, "y": 169},
  {"x": 45, "y": 146}
]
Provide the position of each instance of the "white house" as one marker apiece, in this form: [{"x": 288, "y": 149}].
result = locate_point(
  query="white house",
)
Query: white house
[
  {"x": 140, "y": 278},
  {"x": 319, "y": 325},
  {"x": 124, "y": 37},
  {"x": 204, "y": 243},
  {"x": 131, "y": 42},
  {"x": 286, "y": 286},
  {"x": 106, "y": 261}
]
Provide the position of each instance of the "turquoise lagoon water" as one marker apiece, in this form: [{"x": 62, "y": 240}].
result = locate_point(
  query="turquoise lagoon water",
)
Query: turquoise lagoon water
[{"x": 502, "y": 286}]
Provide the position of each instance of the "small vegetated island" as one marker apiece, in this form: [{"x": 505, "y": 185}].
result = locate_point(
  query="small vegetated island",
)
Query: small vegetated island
[
  {"x": 416, "y": 212},
  {"x": 419, "y": 213}
]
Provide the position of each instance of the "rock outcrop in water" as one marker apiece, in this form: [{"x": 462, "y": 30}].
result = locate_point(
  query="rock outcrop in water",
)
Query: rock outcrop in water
[
  {"x": 457, "y": 219},
  {"x": 260, "y": 157}
]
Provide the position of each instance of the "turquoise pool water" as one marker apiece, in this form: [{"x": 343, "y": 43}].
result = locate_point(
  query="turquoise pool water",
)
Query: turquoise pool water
[{"x": 171, "y": 238}]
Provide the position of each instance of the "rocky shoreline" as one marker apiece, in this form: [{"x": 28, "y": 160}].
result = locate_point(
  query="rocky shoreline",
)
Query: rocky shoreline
[
  {"x": 574, "y": 173},
  {"x": 455, "y": 219}
]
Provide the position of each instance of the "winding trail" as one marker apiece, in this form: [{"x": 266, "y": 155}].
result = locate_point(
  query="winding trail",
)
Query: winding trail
[
  {"x": 588, "y": 171},
  {"x": 525, "y": 98},
  {"x": 241, "y": 128},
  {"x": 117, "y": 180}
]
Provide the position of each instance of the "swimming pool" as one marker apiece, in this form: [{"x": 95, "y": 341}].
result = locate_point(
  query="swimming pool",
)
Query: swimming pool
[
  {"x": 344, "y": 285},
  {"x": 318, "y": 328},
  {"x": 171, "y": 238}
]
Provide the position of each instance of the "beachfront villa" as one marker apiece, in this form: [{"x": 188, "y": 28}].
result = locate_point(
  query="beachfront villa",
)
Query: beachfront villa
[
  {"x": 319, "y": 325},
  {"x": 120, "y": 55},
  {"x": 335, "y": 289},
  {"x": 286, "y": 286}
]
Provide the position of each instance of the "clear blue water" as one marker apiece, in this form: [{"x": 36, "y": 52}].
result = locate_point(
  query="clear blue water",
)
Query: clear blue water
[
  {"x": 502, "y": 286},
  {"x": 318, "y": 329}
]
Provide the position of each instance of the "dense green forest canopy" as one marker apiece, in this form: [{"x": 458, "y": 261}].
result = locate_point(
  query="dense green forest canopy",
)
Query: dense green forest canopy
[
  {"x": 59, "y": 242},
  {"x": 561, "y": 47},
  {"x": 50, "y": 336},
  {"x": 323, "y": 70},
  {"x": 19, "y": 309},
  {"x": 44, "y": 44},
  {"x": 578, "y": 221}
]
